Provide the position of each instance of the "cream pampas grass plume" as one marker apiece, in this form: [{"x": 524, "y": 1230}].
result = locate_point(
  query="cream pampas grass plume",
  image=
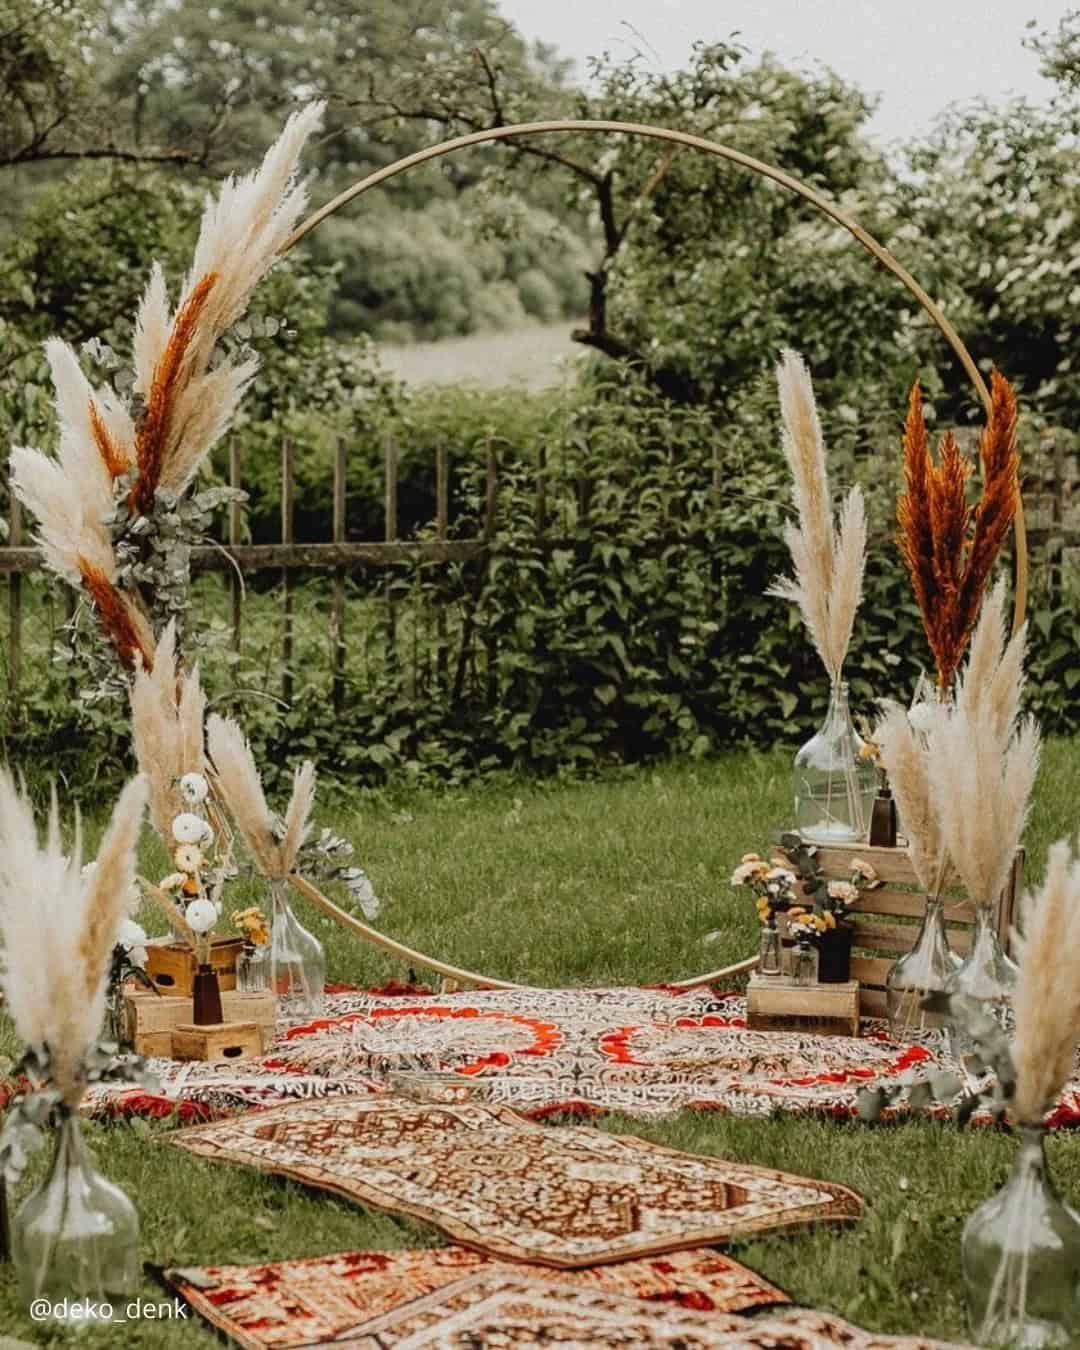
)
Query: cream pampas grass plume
[
  {"x": 273, "y": 848},
  {"x": 167, "y": 709},
  {"x": 59, "y": 926},
  {"x": 828, "y": 561},
  {"x": 1046, "y": 1003},
  {"x": 185, "y": 399},
  {"x": 983, "y": 759},
  {"x": 905, "y": 759}
]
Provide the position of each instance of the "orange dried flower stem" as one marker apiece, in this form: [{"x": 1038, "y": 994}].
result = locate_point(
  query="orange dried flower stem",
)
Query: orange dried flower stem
[
  {"x": 169, "y": 377},
  {"x": 114, "y": 616},
  {"x": 111, "y": 455}
]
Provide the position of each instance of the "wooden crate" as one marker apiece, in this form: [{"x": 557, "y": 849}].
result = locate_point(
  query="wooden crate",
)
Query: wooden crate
[
  {"x": 171, "y": 964},
  {"x": 879, "y": 940},
  {"x": 152, "y": 1018},
  {"x": 772, "y": 1004},
  {"x": 217, "y": 1042}
]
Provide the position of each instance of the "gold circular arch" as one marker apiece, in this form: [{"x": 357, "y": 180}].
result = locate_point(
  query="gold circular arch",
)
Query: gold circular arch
[{"x": 763, "y": 170}]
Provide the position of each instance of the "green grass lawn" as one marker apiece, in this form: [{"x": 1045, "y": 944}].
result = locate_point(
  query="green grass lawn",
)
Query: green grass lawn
[{"x": 614, "y": 881}]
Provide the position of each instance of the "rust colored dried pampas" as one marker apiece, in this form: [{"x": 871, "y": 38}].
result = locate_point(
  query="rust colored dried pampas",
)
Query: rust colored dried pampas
[
  {"x": 949, "y": 547},
  {"x": 124, "y": 628},
  {"x": 169, "y": 379}
]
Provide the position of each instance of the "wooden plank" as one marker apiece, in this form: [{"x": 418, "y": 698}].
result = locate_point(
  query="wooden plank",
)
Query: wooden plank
[
  {"x": 288, "y": 465},
  {"x": 15, "y": 607},
  {"x": 236, "y": 584},
  {"x": 894, "y": 938},
  {"x": 871, "y": 970},
  {"x": 873, "y": 1002},
  {"x": 824, "y": 1009},
  {"x": 910, "y": 904},
  {"x": 891, "y": 864},
  {"x": 338, "y": 602}
]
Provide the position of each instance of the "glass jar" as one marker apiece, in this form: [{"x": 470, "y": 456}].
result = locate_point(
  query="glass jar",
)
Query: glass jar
[
  {"x": 75, "y": 1238},
  {"x": 297, "y": 962},
  {"x": 804, "y": 963},
  {"x": 253, "y": 969},
  {"x": 926, "y": 969},
  {"x": 1021, "y": 1257},
  {"x": 771, "y": 951},
  {"x": 986, "y": 974},
  {"x": 834, "y": 785},
  {"x": 116, "y": 1018}
]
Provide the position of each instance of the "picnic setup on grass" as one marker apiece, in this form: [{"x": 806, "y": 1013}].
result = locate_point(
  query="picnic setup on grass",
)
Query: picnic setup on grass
[{"x": 902, "y": 971}]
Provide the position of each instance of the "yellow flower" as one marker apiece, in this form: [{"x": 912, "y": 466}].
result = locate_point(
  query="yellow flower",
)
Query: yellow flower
[
  {"x": 188, "y": 857},
  {"x": 830, "y": 919}
]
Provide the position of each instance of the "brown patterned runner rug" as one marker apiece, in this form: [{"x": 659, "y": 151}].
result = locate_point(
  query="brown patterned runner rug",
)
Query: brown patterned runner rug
[
  {"x": 283, "y": 1305},
  {"x": 490, "y": 1179}
]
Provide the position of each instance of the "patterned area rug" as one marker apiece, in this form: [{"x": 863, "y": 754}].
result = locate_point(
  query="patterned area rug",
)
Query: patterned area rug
[
  {"x": 492, "y": 1180},
  {"x": 288, "y": 1304},
  {"x": 506, "y": 1308},
  {"x": 647, "y": 1052}
]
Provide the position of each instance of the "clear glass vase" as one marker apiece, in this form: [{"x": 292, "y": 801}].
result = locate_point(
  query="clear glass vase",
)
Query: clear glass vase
[
  {"x": 771, "y": 951},
  {"x": 75, "y": 1238},
  {"x": 297, "y": 962},
  {"x": 1021, "y": 1258},
  {"x": 253, "y": 969},
  {"x": 926, "y": 969},
  {"x": 804, "y": 963},
  {"x": 834, "y": 785},
  {"x": 987, "y": 974}
]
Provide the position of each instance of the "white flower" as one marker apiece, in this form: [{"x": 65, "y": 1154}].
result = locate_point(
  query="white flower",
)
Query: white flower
[
  {"x": 172, "y": 881},
  {"x": 188, "y": 828},
  {"x": 194, "y": 788},
  {"x": 862, "y": 870},
  {"x": 781, "y": 875},
  {"x": 201, "y": 915},
  {"x": 843, "y": 890},
  {"x": 188, "y": 857},
  {"x": 132, "y": 937}
]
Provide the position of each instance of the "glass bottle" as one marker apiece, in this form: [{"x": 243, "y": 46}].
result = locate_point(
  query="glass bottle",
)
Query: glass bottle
[
  {"x": 986, "y": 974},
  {"x": 834, "y": 786},
  {"x": 804, "y": 963},
  {"x": 253, "y": 969},
  {"x": 1021, "y": 1257},
  {"x": 924, "y": 970},
  {"x": 75, "y": 1238},
  {"x": 771, "y": 951},
  {"x": 297, "y": 962}
]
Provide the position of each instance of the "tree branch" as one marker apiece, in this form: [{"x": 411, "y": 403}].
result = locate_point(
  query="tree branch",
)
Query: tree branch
[{"x": 31, "y": 155}]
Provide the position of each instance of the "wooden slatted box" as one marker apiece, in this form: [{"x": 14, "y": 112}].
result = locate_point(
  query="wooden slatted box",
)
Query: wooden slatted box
[{"x": 887, "y": 919}]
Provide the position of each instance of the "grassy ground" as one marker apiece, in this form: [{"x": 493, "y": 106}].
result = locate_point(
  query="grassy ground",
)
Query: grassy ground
[{"x": 614, "y": 881}]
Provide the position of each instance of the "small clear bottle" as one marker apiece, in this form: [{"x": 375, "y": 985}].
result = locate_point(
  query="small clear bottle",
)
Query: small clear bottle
[
  {"x": 253, "y": 969},
  {"x": 804, "y": 963},
  {"x": 771, "y": 951}
]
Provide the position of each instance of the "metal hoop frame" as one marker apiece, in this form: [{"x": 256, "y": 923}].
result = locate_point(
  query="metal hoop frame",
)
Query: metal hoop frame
[{"x": 763, "y": 170}]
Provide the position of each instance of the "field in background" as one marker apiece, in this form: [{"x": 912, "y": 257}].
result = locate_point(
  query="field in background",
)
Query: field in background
[
  {"x": 533, "y": 357},
  {"x": 601, "y": 882}
]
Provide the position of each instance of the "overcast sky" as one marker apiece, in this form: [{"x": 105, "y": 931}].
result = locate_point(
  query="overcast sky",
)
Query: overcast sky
[{"x": 917, "y": 55}]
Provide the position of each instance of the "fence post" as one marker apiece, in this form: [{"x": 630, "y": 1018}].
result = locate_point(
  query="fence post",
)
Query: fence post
[
  {"x": 236, "y": 584},
  {"x": 287, "y": 515},
  {"x": 390, "y": 498},
  {"x": 14, "y": 593},
  {"x": 338, "y": 621},
  {"x": 442, "y": 524}
]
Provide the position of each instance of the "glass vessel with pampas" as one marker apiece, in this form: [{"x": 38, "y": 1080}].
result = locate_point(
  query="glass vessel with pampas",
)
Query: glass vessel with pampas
[
  {"x": 926, "y": 969},
  {"x": 75, "y": 1238},
  {"x": 297, "y": 963},
  {"x": 835, "y": 783},
  {"x": 986, "y": 974},
  {"x": 1021, "y": 1257}
]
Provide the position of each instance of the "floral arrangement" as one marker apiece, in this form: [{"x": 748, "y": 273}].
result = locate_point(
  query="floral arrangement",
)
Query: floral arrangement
[
  {"x": 253, "y": 925},
  {"x": 113, "y": 516},
  {"x": 949, "y": 548},
  {"x": 772, "y": 883},
  {"x": 829, "y": 559},
  {"x": 963, "y": 773},
  {"x": 60, "y": 925}
]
